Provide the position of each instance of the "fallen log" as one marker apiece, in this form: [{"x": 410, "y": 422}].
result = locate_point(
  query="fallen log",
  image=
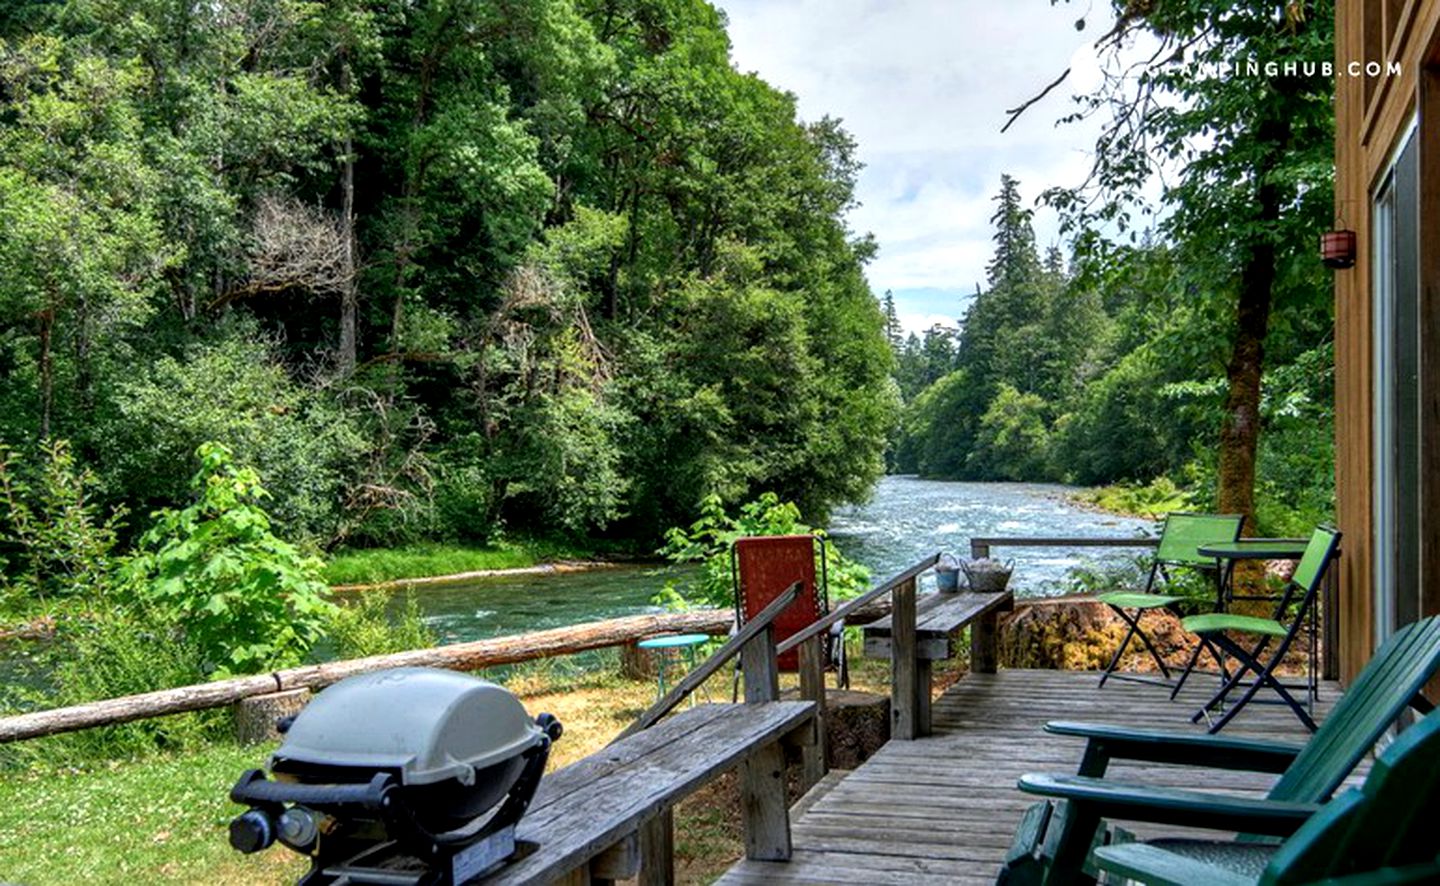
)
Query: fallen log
[{"x": 458, "y": 656}]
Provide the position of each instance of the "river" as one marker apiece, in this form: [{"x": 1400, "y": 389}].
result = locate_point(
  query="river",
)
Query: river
[{"x": 907, "y": 519}]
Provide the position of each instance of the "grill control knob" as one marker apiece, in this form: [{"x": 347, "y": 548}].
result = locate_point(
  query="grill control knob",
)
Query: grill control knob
[{"x": 252, "y": 831}]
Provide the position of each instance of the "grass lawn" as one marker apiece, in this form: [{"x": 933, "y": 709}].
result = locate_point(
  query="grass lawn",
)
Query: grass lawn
[
  {"x": 163, "y": 819},
  {"x": 367, "y": 566}
]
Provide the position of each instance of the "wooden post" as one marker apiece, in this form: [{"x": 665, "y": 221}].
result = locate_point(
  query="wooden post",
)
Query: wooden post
[
  {"x": 904, "y": 666},
  {"x": 256, "y": 716},
  {"x": 619, "y": 862},
  {"x": 657, "y": 850},
  {"x": 762, "y": 803},
  {"x": 757, "y": 663},
  {"x": 636, "y": 663},
  {"x": 812, "y": 688},
  {"x": 1330, "y": 624},
  {"x": 979, "y": 550},
  {"x": 762, "y": 775},
  {"x": 983, "y": 644}
]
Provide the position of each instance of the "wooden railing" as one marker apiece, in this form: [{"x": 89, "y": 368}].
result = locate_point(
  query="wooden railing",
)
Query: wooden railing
[
  {"x": 980, "y": 547},
  {"x": 754, "y": 643},
  {"x": 905, "y": 676}
]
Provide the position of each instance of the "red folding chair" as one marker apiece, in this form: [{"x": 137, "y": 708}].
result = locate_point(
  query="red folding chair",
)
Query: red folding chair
[{"x": 762, "y": 568}]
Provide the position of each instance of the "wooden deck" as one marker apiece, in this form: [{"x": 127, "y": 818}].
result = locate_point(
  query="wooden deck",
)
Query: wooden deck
[{"x": 942, "y": 809}]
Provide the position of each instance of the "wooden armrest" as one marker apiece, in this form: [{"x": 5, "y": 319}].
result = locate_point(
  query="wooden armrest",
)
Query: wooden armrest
[
  {"x": 1176, "y": 748},
  {"x": 1172, "y": 806},
  {"x": 1156, "y": 867}
]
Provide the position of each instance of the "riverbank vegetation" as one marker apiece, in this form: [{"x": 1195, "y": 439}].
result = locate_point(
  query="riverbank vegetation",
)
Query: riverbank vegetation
[
  {"x": 435, "y": 271},
  {"x": 1190, "y": 342}
]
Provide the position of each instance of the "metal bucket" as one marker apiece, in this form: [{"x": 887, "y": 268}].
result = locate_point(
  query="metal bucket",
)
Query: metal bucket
[{"x": 987, "y": 576}]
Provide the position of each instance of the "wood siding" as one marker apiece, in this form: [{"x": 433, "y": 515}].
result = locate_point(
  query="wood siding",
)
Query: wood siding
[{"x": 1371, "y": 115}]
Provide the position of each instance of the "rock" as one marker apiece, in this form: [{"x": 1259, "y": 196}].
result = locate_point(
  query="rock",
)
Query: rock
[{"x": 1080, "y": 633}]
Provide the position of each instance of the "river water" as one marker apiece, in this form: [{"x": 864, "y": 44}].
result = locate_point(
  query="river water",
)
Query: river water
[{"x": 906, "y": 519}]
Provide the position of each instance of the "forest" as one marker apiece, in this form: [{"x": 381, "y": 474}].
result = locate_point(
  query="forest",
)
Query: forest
[
  {"x": 434, "y": 271},
  {"x": 1184, "y": 342},
  {"x": 280, "y": 278}
]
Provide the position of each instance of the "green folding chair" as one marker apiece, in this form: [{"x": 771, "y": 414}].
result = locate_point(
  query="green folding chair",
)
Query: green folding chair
[
  {"x": 1055, "y": 836},
  {"x": 1217, "y": 628},
  {"x": 1385, "y": 830},
  {"x": 1180, "y": 537}
]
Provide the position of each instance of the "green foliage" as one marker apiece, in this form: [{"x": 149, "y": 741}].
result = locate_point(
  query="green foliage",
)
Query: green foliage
[
  {"x": 366, "y": 627},
  {"x": 58, "y": 542},
  {"x": 1154, "y": 499},
  {"x": 125, "y": 651},
  {"x": 234, "y": 391},
  {"x": 246, "y": 599},
  {"x": 368, "y": 566},
  {"x": 708, "y": 540},
  {"x": 1012, "y": 439},
  {"x": 434, "y": 270}
]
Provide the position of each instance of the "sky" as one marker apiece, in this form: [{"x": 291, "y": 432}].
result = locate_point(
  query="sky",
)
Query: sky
[{"x": 923, "y": 85}]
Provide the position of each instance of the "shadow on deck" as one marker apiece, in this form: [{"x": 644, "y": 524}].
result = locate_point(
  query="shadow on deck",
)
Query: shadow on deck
[{"x": 942, "y": 809}]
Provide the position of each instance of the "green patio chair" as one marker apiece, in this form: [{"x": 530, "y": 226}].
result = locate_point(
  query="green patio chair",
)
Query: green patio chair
[
  {"x": 1298, "y": 598},
  {"x": 1056, "y": 836},
  {"x": 1181, "y": 535},
  {"x": 1384, "y": 829}
]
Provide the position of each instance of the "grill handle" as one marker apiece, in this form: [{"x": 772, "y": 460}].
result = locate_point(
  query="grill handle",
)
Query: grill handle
[{"x": 255, "y": 789}]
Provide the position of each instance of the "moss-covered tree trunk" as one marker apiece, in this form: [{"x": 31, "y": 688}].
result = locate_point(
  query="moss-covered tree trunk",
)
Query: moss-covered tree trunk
[{"x": 1240, "y": 429}]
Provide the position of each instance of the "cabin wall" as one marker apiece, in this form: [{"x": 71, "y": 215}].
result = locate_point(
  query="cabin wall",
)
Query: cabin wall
[{"x": 1371, "y": 115}]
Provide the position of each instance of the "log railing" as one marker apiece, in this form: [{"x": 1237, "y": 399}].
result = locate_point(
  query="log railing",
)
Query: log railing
[{"x": 458, "y": 656}]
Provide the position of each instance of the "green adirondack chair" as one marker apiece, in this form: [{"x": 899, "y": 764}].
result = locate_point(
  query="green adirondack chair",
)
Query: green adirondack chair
[
  {"x": 1055, "y": 837},
  {"x": 1386, "y": 828}
]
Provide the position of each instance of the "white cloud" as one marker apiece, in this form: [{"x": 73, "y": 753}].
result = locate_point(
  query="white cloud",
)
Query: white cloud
[{"x": 924, "y": 86}]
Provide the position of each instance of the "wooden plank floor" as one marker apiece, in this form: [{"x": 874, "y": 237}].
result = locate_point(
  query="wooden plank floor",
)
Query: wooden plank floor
[{"x": 942, "y": 809}]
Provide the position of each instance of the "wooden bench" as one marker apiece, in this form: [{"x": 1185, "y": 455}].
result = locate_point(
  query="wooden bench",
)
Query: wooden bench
[
  {"x": 608, "y": 816},
  {"x": 938, "y": 620}
]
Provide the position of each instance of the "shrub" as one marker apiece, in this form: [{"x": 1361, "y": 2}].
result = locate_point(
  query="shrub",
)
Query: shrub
[
  {"x": 366, "y": 627},
  {"x": 708, "y": 540},
  {"x": 123, "y": 652},
  {"x": 60, "y": 543},
  {"x": 234, "y": 391},
  {"x": 248, "y": 600}
]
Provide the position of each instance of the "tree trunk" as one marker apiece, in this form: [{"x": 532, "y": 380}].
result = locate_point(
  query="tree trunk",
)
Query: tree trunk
[
  {"x": 349, "y": 296},
  {"x": 1240, "y": 430},
  {"x": 47, "y": 372}
]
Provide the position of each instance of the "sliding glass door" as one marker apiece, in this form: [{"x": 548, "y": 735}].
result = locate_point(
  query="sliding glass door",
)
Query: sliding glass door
[{"x": 1396, "y": 425}]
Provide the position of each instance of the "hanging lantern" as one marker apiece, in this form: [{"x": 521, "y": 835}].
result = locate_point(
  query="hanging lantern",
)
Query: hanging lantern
[{"x": 1337, "y": 249}]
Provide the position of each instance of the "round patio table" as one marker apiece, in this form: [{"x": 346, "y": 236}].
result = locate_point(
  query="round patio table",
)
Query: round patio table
[
  {"x": 686, "y": 644},
  {"x": 1227, "y": 554}
]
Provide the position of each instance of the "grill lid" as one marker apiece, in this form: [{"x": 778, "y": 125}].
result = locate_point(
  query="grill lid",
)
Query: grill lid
[{"x": 428, "y": 724}]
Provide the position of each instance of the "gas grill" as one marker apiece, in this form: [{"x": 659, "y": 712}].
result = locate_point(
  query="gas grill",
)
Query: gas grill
[{"x": 406, "y": 777}]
